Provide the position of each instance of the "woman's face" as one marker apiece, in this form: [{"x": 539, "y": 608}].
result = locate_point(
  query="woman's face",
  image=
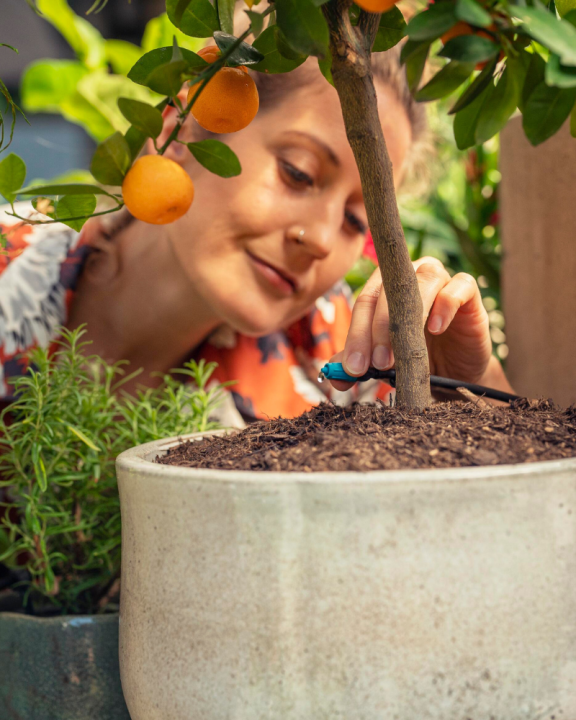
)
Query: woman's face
[{"x": 262, "y": 247}]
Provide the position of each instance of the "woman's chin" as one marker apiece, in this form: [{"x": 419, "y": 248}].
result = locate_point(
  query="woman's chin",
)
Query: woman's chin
[
  {"x": 254, "y": 327},
  {"x": 252, "y": 312}
]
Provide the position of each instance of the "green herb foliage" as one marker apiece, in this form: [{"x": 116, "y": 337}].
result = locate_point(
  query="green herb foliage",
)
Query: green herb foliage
[{"x": 59, "y": 442}]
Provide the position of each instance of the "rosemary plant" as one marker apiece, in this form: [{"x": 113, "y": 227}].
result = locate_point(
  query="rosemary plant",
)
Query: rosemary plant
[{"x": 58, "y": 441}]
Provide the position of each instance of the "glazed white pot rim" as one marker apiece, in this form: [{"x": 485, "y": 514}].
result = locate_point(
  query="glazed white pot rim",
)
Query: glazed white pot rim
[{"x": 140, "y": 459}]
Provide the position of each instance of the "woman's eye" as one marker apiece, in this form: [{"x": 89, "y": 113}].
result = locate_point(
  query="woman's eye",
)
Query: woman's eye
[
  {"x": 296, "y": 177},
  {"x": 355, "y": 222}
]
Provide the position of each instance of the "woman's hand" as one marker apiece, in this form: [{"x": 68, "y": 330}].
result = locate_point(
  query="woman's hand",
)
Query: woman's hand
[{"x": 455, "y": 321}]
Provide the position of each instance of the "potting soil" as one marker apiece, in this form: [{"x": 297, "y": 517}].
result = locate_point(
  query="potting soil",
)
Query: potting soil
[{"x": 376, "y": 437}]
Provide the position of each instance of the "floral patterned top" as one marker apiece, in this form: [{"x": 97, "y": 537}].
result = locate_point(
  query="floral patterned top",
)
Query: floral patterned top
[{"x": 275, "y": 375}]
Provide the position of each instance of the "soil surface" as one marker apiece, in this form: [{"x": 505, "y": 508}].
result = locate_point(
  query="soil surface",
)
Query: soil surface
[{"x": 376, "y": 437}]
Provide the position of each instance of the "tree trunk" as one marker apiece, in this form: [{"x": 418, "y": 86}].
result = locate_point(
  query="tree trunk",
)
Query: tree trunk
[{"x": 351, "y": 70}]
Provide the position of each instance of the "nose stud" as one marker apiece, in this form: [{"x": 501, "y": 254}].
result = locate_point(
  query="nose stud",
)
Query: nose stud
[{"x": 300, "y": 236}]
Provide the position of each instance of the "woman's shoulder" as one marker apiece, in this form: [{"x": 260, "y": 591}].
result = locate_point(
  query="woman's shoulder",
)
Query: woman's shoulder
[
  {"x": 54, "y": 239},
  {"x": 39, "y": 266}
]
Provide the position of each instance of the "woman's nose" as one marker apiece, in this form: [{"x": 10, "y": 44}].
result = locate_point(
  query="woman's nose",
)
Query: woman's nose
[{"x": 316, "y": 238}]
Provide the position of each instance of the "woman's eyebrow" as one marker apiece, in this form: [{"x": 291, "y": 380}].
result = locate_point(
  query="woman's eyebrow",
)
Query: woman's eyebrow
[{"x": 326, "y": 149}]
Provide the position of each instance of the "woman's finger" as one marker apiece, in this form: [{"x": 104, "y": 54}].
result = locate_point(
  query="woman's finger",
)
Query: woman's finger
[
  {"x": 358, "y": 348},
  {"x": 432, "y": 277},
  {"x": 461, "y": 290},
  {"x": 340, "y": 384},
  {"x": 382, "y": 355}
]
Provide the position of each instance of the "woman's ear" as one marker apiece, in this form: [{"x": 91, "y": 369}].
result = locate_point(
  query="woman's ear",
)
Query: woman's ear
[
  {"x": 175, "y": 151},
  {"x": 103, "y": 263}
]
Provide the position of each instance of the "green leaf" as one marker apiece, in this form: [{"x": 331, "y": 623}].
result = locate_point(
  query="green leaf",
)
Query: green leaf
[
  {"x": 478, "y": 86},
  {"x": 303, "y": 26},
  {"x": 111, "y": 160},
  {"x": 56, "y": 86},
  {"x": 534, "y": 76},
  {"x": 197, "y": 18},
  {"x": 243, "y": 55},
  {"x": 42, "y": 478},
  {"x": 14, "y": 110},
  {"x": 433, "y": 22},
  {"x": 518, "y": 66},
  {"x": 122, "y": 55},
  {"x": 216, "y": 157},
  {"x": 86, "y": 440},
  {"x": 142, "y": 116},
  {"x": 466, "y": 120},
  {"x": 75, "y": 206},
  {"x": 410, "y": 47},
  {"x": 469, "y": 48},
  {"x": 472, "y": 12},
  {"x": 176, "y": 52},
  {"x": 256, "y": 22},
  {"x": 286, "y": 50},
  {"x": 415, "y": 65},
  {"x": 273, "y": 61},
  {"x": 81, "y": 35},
  {"x": 573, "y": 122},
  {"x": 178, "y": 12},
  {"x": 167, "y": 79},
  {"x": 135, "y": 140},
  {"x": 326, "y": 68},
  {"x": 64, "y": 189},
  {"x": 559, "y": 75},
  {"x": 102, "y": 91},
  {"x": 498, "y": 108},
  {"x": 390, "y": 30},
  {"x": 546, "y": 111},
  {"x": 557, "y": 35},
  {"x": 565, "y": 6},
  {"x": 446, "y": 81},
  {"x": 571, "y": 16},
  {"x": 159, "y": 32},
  {"x": 226, "y": 15},
  {"x": 12, "y": 176},
  {"x": 159, "y": 57},
  {"x": 46, "y": 84}
]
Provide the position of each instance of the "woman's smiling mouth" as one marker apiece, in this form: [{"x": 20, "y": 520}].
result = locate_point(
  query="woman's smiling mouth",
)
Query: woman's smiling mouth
[{"x": 286, "y": 283}]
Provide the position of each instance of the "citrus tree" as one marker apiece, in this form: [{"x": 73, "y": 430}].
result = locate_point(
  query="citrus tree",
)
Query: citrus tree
[{"x": 501, "y": 55}]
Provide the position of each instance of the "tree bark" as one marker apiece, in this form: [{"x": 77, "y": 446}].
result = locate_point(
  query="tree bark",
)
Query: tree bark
[{"x": 352, "y": 74}]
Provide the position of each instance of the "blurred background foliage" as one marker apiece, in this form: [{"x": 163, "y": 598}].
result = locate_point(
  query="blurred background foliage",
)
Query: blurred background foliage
[{"x": 70, "y": 95}]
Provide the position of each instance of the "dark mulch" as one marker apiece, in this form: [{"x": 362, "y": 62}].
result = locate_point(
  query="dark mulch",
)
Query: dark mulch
[{"x": 375, "y": 437}]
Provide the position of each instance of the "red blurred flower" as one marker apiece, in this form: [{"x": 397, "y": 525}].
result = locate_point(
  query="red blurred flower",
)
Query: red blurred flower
[{"x": 369, "y": 249}]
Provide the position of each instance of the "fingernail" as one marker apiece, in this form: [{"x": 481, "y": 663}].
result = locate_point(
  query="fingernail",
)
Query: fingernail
[
  {"x": 435, "y": 323},
  {"x": 355, "y": 363},
  {"x": 381, "y": 357}
]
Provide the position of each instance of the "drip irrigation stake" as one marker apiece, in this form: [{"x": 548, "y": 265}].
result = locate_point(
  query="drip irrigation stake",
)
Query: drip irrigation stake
[{"x": 335, "y": 371}]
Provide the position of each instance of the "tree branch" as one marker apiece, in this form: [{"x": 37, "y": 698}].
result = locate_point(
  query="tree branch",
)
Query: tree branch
[{"x": 351, "y": 70}]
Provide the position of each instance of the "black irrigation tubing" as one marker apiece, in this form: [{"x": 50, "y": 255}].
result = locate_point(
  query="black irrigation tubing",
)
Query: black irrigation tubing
[{"x": 447, "y": 384}]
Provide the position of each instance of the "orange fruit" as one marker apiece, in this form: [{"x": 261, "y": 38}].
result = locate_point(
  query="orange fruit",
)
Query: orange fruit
[
  {"x": 376, "y": 6},
  {"x": 157, "y": 190},
  {"x": 461, "y": 28},
  {"x": 228, "y": 103},
  {"x": 210, "y": 53}
]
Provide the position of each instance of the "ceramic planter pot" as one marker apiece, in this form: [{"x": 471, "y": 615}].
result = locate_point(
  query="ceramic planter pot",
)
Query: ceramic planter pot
[
  {"x": 404, "y": 595},
  {"x": 60, "y": 668}
]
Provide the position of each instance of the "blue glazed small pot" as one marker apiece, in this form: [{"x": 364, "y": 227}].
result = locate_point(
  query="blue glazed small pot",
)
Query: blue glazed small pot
[{"x": 60, "y": 668}]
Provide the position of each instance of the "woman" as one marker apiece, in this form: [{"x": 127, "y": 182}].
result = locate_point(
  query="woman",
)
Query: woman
[{"x": 250, "y": 276}]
